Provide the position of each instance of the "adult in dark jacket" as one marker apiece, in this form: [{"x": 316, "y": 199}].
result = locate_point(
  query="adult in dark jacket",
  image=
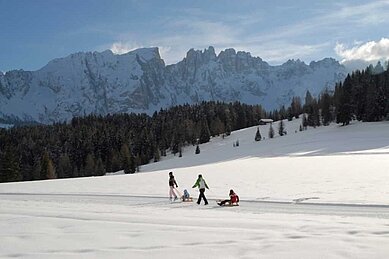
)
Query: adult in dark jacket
[
  {"x": 172, "y": 183},
  {"x": 201, "y": 184}
]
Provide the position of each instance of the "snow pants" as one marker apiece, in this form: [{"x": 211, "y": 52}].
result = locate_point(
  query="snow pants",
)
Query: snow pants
[
  {"x": 225, "y": 201},
  {"x": 172, "y": 192},
  {"x": 202, "y": 196}
]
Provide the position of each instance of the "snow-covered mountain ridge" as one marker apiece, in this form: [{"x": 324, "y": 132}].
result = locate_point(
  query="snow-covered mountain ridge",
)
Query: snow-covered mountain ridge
[{"x": 139, "y": 81}]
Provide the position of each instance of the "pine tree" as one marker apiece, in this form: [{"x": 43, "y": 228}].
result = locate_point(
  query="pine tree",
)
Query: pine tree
[
  {"x": 100, "y": 170},
  {"x": 126, "y": 159},
  {"x": 258, "y": 136},
  {"x": 228, "y": 121},
  {"x": 197, "y": 150},
  {"x": 9, "y": 167},
  {"x": 116, "y": 161},
  {"x": 281, "y": 128},
  {"x": 325, "y": 108},
  {"x": 296, "y": 108},
  {"x": 308, "y": 98},
  {"x": 344, "y": 105},
  {"x": 315, "y": 113},
  {"x": 76, "y": 172},
  {"x": 175, "y": 145},
  {"x": 216, "y": 127},
  {"x": 204, "y": 132},
  {"x": 271, "y": 131},
  {"x": 157, "y": 156},
  {"x": 90, "y": 165},
  {"x": 135, "y": 163},
  {"x": 375, "y": 102},
  {"x": 64, "y": 169},
  {"x": 47, "y": 167},
  {"x": 290, "y": 114},
  {"x": 312, "y": 110},
  {"x": 36, "y": 173},
  {"x": 228, "y": 130},
  {"x": 305, "y": 122}
]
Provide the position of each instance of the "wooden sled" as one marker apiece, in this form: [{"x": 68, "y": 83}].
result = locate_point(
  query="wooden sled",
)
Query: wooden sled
[
  {"x": 190, "y": 199},
  {"x": 227, "y": 204}
]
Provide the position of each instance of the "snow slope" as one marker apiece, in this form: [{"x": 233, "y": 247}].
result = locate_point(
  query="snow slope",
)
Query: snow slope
[{"x": 313, "y": 194}]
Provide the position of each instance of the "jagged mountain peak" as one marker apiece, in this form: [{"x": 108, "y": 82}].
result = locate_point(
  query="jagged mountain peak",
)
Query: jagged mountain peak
[
  {"x": 294, "y": 62},
  {"x": 202, "y": 56},
  {"x": 145, "y": 54},
  {"x": 325, "y": 62},
  {"x": 228, "y": 52},
  {"x": 138, "y": 81}
]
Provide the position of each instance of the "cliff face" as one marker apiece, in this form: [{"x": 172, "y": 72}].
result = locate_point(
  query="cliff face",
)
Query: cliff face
[{"x": 139, "y": 81}]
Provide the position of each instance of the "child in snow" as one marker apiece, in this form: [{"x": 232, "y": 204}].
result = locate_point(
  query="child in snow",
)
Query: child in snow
[
  {"x": 173, "y": 190},
  {"x": 201, "y": 184},
  {"x": 234, "y": 199},
  {"x": 186, "y": 196}
]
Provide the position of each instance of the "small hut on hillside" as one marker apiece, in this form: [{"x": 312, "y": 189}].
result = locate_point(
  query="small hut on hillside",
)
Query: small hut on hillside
[{"x": 265, "y": 121}]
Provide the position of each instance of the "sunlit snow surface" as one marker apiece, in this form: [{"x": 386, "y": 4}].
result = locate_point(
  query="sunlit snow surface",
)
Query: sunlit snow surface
[{"x": 321, "y": 193}]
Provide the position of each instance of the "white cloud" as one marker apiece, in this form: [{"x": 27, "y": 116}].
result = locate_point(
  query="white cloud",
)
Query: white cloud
[
  {"x": 121, "y": 48},
  {"x": 371, "y": 51}
]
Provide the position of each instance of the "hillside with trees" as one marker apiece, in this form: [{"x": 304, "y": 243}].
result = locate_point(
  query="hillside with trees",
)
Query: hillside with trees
[{"x": 93, "y": 145}]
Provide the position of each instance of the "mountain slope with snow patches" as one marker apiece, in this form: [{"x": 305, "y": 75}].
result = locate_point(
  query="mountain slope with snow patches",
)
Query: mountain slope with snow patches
[{"x": 139, "y": 81}]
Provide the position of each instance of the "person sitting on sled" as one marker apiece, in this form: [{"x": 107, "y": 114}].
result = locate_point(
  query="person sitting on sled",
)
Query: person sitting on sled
[
  {"x": 234, "y": 199},
  {"x": 186, "y": 196}
]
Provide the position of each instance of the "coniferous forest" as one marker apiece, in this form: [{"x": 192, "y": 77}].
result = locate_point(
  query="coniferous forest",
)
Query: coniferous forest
[{"x": 94, "y": 145}]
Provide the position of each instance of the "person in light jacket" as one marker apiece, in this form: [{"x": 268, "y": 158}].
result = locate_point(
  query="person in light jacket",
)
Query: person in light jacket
[{"x": 201, "y": 184}]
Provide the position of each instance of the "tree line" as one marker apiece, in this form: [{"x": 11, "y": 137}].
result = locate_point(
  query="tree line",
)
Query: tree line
[
  {"x": 94, "y": 144},
  {"x": 362, "y": 96}
]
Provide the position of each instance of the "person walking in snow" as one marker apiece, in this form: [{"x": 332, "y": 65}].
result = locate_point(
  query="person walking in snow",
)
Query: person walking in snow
[
  {"x": 172, "y": 183},
  {"x": 201, "y": 184}
]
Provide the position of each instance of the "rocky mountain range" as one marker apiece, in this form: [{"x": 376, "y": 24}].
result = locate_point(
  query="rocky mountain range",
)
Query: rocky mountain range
[{"x": 139, "y": 81}]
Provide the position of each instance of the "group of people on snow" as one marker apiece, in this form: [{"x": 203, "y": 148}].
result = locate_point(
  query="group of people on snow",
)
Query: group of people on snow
[{"x": 201, "y": 184}]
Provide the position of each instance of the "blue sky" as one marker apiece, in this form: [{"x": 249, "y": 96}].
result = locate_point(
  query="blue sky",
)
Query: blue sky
[{"x": 34, "y": 32}]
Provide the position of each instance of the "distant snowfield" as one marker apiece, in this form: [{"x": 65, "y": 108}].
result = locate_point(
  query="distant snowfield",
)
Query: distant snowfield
[
  {"x": 319, "y": 193},
  {"x": 6, "y": 126}
]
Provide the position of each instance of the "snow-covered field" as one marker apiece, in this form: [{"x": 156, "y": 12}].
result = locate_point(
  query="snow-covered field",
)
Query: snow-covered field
[{"x": 321, "y": 193}]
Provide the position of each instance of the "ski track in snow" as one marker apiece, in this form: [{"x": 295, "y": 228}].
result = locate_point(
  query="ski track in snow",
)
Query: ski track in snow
[
  {"x": 295, "y": 207},
  {"x": 116, "y": 226}
]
